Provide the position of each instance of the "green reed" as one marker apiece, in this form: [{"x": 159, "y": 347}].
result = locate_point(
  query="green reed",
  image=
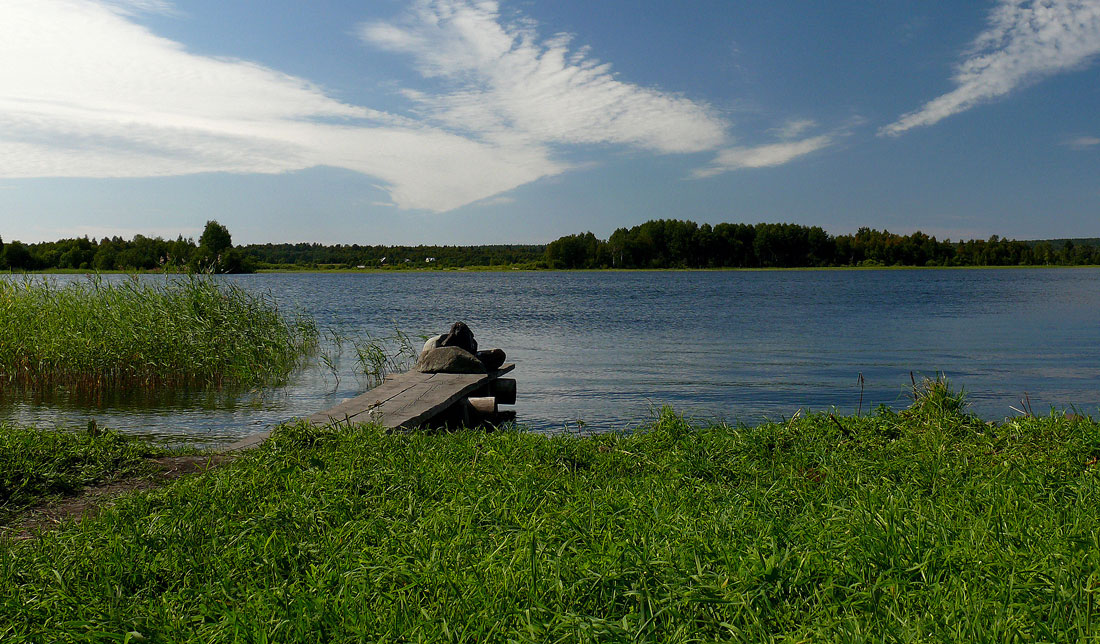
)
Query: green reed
[
  {"x": 924, "y": 525},
  {"x": 189, "y": 330},
  {"x": 379, "y": 356}
]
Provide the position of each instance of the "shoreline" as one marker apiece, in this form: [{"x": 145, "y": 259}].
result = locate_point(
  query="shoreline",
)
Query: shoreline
[
  {"x": 665, "y": 270},
  {"x": 510, "y": 269}
]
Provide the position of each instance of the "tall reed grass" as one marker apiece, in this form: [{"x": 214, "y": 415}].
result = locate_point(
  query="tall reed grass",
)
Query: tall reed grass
[
  {"x": 376, "y": 355},
  {"x": 189, "y": 330},
  {"x": 379, "y": 356}
]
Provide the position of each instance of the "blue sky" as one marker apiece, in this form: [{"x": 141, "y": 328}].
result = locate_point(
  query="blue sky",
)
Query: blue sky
[{"x": 466, "y": 121}]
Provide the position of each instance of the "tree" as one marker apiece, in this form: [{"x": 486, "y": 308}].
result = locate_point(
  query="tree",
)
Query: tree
[
  {"x": 16, "y": 255},
  {"x": 573, "y": 251},
  {"x": 106, "y": 257},
  {"x": 215, "y": 238}
]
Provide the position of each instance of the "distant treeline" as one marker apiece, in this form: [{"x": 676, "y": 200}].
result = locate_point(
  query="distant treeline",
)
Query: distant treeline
[
  {"x": 214, "y": 252},
  {"x": 671, "y": 243},
  {"x": 153, "y": 253},
  {"x": 663, "y": 243},
  {"x": 354, "y": 255}
]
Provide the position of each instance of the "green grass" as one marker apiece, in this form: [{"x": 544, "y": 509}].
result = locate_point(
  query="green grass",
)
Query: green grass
[
  {"x": 190, "y": 330},
  {"x": 38, "y": 465},
  {"x": 926, "y": 525}
]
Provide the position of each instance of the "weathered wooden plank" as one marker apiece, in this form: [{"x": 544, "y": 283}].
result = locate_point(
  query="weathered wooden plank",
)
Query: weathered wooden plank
[
  {"x": 402, "y": 400},
  {"x": 393, "y": 386},
  {"x": 420, "y": 404},
  {"x": 425, "y": 400},
  {"x": 250, "y": 441},
  {"x": 504, "y": 390},
  {"x": 408, "y": 399}
]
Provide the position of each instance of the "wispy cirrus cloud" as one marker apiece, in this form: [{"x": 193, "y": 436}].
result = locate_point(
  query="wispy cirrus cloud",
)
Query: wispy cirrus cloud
[
  {"x": 85, "y": 91},
  {"x": 791, "y": 143},
  {"x": 794, "y": 128},
  {"x": 1083, "y": 142},
  {"x": 763, "y": 156},
  {"x": 1026, "y": 41},
  {"x": 512, "y": 86}
]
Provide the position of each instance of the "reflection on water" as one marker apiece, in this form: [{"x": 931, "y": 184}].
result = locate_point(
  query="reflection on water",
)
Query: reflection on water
[
  {"x": 603, "y": 350},
  {"x": 132, "y": 400}
]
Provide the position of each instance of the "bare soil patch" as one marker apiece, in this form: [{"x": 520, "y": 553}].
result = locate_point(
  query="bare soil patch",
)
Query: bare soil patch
[{"x": 92, "y": 498}]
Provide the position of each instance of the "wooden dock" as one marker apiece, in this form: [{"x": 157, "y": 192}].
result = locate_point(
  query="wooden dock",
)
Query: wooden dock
[{"x": 403, "y": 401}]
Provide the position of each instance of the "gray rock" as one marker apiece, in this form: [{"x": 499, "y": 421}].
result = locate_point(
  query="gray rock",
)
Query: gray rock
[{"x": 449, "y": 360}]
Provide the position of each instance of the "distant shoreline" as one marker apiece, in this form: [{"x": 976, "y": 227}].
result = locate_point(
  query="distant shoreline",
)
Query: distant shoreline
[
  {"x": 657, "y": 244},
  {"x": 507, "y": 269},
  {"x": 529, "y": 270}
]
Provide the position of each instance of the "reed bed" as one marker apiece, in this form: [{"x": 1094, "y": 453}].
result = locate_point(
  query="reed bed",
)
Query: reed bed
[
  {"x": 925, "y": 525},
  {"x": 189, "y": 330}
]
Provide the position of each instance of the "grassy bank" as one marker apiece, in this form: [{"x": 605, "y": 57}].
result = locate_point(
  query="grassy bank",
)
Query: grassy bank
[
  {"x": 189, "y": 330},
  {"x": 37, "y": 466},
  {"x": 925, "y": 525}
]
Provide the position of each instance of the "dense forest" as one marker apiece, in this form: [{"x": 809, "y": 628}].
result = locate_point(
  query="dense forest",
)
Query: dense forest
[
  {"x": 355, "y": 255},
  {"x": 214, "y": 252},
  {"x": 664, "y": 243},
  {"x": 671, "y": 243}
]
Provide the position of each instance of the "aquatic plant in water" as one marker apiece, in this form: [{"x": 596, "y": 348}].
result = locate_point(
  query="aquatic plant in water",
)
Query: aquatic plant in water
[
  {"x": 190, "y": 330},
  {"x": 381, "y": 355}
]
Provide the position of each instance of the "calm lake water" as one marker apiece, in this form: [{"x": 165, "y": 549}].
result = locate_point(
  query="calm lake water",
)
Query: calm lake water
[{"x": 600, "y": 351}]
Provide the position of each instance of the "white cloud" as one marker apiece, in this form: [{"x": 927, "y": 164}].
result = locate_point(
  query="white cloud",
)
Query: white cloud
[
  {"x": 512, "y": 87},
  {"x": 87, "y": 92},
  {"x": 763, "y": 156},
  {"x": 1026, "y": 41},
  {"x": 794, "y": 128},
  {"x": 1083, "y": 142},
  {"x": 145, "y": 6},
  {"x": 503, "y": 200}
]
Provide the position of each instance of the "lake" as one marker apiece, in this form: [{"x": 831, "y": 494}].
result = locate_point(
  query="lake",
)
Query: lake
[{"x": 600, "y": 351}]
